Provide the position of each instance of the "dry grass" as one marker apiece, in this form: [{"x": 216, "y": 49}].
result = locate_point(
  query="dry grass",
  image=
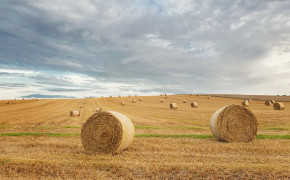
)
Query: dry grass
[{"x": 165, "y": 146}]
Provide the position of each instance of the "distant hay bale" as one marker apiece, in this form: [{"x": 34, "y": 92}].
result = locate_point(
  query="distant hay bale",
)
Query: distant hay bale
[
  {"x": 122, "y": 103},
  {"x": 98, "y": 109},
  {"x": 165, "y": 94},
  {"x": 135, "y": 95},
  {"x": 134, "y": 101},
  {"x": 194, "y": 105},
  {"x": 36, "y": 99},
  {"x": 268, "y": 103},
  {"x": 75, "y": 113},
  {"x": 160, "y": 94},
  {"x": 13, "y": 102},
  {"x": 184, "y": 101},
  {"x": 81, "y": 106},
  {"x": 107, "y": 132},
  {"x": 173, "y": 106},
  {"x": 110, "y": 96},
  {"x": 140, "y": 99},
  {"x": 22, "y": 98},
  {"x": 249, "y": 100},
  {"x": 279, "y": 106},
  {"x": 161, "y": 100},
  {"x": 208, "y": 97},
  {"x": 234, "y": 123},
  {"x": 8, "y": 102},
  {"x": 272, "y": 101},
  {"x": 245, "y": 103},
  {"x": 119, "y": 96},
  {"x": 197, "y": 95}
]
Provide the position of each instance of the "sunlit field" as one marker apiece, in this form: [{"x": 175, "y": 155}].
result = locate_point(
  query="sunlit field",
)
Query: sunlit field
[{"x": 39, "y": 139}]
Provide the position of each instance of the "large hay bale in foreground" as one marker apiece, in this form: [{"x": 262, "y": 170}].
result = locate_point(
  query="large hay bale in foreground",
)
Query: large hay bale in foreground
[
  {"x": 245, "y": 103},
  {"x": 184, "y": 101},
  {"x": 279, "y": 106},
  {"x": 107, "y": 132},
  {"x": 75, "y": 113},
  {"x": 268, "y": 103},
  {"x": 234, "y": 123},
  {"x": 173, "y": 106},
  {"x": 194, "y": 105}
]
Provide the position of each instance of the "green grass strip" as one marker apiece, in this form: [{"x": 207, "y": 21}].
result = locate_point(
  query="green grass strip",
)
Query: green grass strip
[
  {"x": 40, "y": 134},
  {"x": 71, "y": 127},
  {"x": 263, "y": 136},
  {"x": 146, "y": 127},
  {"x": 196, "y": 136},
  {"x": 274, "y": 128},
  {"x": 173, "y": 127}
]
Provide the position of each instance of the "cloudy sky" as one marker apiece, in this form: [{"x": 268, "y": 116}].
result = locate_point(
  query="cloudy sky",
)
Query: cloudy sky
[{"x": 64, "y": 48}]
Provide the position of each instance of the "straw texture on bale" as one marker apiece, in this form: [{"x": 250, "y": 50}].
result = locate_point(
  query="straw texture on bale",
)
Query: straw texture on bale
[
  {"x": 107, "y": 132},
  {"x": 74, "y": 113},
  {"x": 234, "y": 123},
  {"x": 173, "y": 106},
  {"x": 245, "y": 103},
  {"x": 184, "y": 101},
  {"x": 98, "y": 109},
  {"x": 140, "y": 99},
  {"x": 268, "y": 103},
  {"x": 279, "y": 106},
  {"x": 122, "y": 103},
  {"x": 194, "y": 105}
]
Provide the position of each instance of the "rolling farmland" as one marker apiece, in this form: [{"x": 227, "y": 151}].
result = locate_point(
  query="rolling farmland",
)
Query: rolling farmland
[{"x": 39, "y": 139}]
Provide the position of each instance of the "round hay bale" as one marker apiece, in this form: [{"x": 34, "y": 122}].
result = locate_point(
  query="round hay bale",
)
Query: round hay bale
[
  {"x": 74, "y": 113},
  {"x": 122, "y": 103},
  {"x": 245, "y": 103},
  {"x": 165, "y": 94},
  {"x": 268, "y": 103},
  {"x": 81, "y": 106},
  {"x": 279, "y": 106},
  {"x": 7, "y": 102},
  {"x": 208, "y": 97},
  {"x": 234, "y": 123},
  {"x": 197, "y": 95},
  {"x": 173, "y": 106},
  {"x": 140, "y": 99},
  {"x": 110, "y": 96},
  {"x": 134, "y": 101},
  {"x": 98, "y": 109},
  {"x": 160, "y": 94},
  {"x": 107, "y": 132},
  {"x": 194, "y": 105},
  {"x": 161, "y": 100},
  {"x": 272, "y": 101},
  {"x": 184, "y": 101},
  {"x": 249, "y": 100}
]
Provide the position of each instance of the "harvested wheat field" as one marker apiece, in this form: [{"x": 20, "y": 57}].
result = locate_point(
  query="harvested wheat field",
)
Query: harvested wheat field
[{"x": 39, "y": 139}]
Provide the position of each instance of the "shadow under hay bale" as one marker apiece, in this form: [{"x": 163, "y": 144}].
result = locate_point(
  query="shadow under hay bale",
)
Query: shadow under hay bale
[
  {"x": 234, "y": 123},
  {"x": 173, "y": 106},
  {"x": 107, "y": 132},
  {"x": 194, "y": 105},
  {"x": 279, "y": 106},
  {"x": 75, "y": 113}
]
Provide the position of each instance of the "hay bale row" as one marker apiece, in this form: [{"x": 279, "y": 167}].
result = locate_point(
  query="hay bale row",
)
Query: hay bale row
[
  {"x": 107, "y": 132},
  {"x": 245, "y": 103},
  {"x": 234, "y": 123},
  {"x": 194, "y": 105},
  {"x": 75, "y": 113},
  {"x": 278, "y": 106},
  {"x": 173, "y": 106}
]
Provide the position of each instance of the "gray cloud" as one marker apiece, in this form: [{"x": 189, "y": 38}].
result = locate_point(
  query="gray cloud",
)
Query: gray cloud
[{"x": 184, "y": 46}]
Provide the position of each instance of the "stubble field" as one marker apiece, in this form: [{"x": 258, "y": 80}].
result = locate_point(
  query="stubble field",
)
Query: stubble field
[{"x": 38, "y": 139}]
